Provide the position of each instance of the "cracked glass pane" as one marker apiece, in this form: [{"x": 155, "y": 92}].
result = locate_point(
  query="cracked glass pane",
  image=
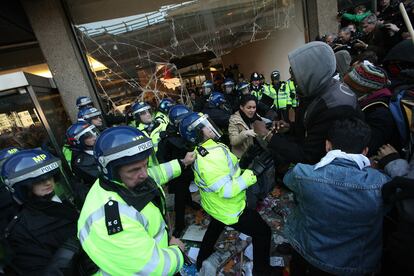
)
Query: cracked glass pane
[{"x": 164, "y": 51}]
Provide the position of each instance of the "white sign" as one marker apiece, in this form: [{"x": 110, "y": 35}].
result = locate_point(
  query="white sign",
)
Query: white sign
[{"x": 25, "y": 118}]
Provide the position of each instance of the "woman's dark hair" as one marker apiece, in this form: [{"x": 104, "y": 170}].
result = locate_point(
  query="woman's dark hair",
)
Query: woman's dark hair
[
  {"x": 349, "y": 135},
  {"x": 370, "y": 56},
  {"x": 244, "y": 99}
]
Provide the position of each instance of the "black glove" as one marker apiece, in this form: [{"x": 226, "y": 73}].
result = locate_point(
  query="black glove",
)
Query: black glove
[
  {"x": 247, "y": 157},
  {"x": 292, "y": 95},
  {"x": 260, "y": 163}
]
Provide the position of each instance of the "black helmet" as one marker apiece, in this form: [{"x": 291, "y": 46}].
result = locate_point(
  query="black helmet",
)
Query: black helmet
[
  {"x": 275, "y": 75},
  {"x": 254, "y": 76}
]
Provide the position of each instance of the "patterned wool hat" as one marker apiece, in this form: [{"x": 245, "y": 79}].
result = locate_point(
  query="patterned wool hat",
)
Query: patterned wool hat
[{"x": 366, "y": 78}]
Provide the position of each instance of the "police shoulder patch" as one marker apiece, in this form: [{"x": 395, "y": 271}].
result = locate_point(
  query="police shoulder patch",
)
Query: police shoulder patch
[
  {"x": 202, "y": 151},
  {"x": 112, "y": 217}
]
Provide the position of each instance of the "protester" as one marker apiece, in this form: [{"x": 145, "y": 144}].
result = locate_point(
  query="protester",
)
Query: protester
[
  {"x": 336, "y": 228},
  {"x": 322, "y": 101},
  {"x": 241, "y": 132}
]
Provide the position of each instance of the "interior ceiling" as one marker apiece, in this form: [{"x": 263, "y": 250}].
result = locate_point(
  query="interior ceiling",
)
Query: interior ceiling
[
  {"x": 152, "y": 45},
  {"x": 183, "y": 33},
  {"x": 165, "y": 32},
  {"x": 18, "y": 44},
  {"x": 87, "y": 11}
]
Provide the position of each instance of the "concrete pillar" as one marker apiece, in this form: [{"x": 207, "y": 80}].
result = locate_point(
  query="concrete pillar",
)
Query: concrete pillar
[
  {"x": 57, "y": 42},
  {"x": 320, "y": 17}
]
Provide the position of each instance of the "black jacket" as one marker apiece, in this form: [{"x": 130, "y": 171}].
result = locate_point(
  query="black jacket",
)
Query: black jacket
[
  {"x": 219, "y": 116},
  {"x": 173, "y": 146},
  {"x": 383, "y": 128},
  {"x": 85, "y": 167},
  {"x": 306, "y": 141},
  {"x": 200, "y": 103},
  {"x": 232, "y": 102},
  {"x": 40, "y": 229},
  {"x": 8, "y": 207}
]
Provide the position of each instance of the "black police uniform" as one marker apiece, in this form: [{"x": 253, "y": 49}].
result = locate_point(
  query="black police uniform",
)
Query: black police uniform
[
  {"x": 84, "y": 167},
  {"x": 173, "y": 146},
  {"x": 35, "y": 235}
]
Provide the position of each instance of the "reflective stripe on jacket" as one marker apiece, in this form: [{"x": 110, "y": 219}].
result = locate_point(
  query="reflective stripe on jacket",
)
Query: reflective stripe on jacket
[
  {"x": 291, "y": 89},
  {"x": 222, "y": 185},
  {"x": 280, "y": 97},
  {"x": 258, "y": 93}
]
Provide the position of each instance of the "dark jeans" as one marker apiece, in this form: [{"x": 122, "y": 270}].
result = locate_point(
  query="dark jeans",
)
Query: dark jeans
[
  {"x": 300, "y": 267},
  {"x": 250, "y": 223}
]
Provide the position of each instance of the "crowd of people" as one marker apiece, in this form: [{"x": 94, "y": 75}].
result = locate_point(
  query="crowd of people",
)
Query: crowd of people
[{"x": 337, "y": 135}]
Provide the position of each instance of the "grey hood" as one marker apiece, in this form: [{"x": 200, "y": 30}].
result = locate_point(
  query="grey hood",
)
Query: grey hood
[
  {"x": 343, "y": 62},
  {"x": 313, "y": 66}
]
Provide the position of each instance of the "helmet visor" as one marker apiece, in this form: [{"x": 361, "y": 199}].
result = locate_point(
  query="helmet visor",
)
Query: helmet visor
[
  {"x": 92, "y": 115},
  {"x": 88, "y": 132},
  {"x": 207, "y": 127},
  {"x": 206, "y": 91}
]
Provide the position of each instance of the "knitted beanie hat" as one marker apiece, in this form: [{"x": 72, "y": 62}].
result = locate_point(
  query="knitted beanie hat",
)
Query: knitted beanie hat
[{"x": 366, "y": 78}]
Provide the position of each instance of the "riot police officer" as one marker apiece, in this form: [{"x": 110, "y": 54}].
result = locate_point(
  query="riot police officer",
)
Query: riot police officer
[
  {"x": 222, "y": 187},
  {"x": 277, "y": 91},
  {"x": 256, "y": 87},
  {"x": 145, "y": 122},
  {"x": 173, "y": 146},
  {"x": 217, "y": 111},
  {"x": 83, "y": 101},
  {"x": 207, "y": 88},
  {"x": 122, "y": 225},
  {"x": 162, "y": 115},
  {"x": 42, "y": 237},
  {"x": 93, "y": 116},
  {"x": 81, "y": 137},
  {"x": 243, "y": 88},
  {"x": 230, "y": 94}
]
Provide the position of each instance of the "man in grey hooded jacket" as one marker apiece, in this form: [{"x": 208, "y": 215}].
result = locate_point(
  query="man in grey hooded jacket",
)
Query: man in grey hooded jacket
[{"x": 322, "y": 101}]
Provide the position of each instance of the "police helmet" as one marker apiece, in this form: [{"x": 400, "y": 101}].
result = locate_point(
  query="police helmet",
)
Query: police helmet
[
  {"x": 207, "y": 87},
  {"x": 275, "y": 75},
  {"x": 177, "y": 113},
  {"x": 261, "y": 77},
  {"x": 118, "y": 146},
  {"x": 78, "y": 132},
  {"x": 88, "y": 113},
  {"x": 165, "y": 105},
  {"x": 83, "y": 101},
  {"x": 6, "y": 153},
  {"x": 138, "y": 108},
  {"x": 207, "y": 83},
  {"x": 243, "y": 87},
  {"x": 216, "y": 99},
  {"x": 27, "y": 167},
  {"x": 254, "y": 76},
  {"x": 228, "y": 82},
  {"x": 191, "y": 128}
]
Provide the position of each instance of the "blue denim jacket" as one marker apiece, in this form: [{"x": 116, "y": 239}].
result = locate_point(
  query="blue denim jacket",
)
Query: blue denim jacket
[{"x": 337, "y": 223}]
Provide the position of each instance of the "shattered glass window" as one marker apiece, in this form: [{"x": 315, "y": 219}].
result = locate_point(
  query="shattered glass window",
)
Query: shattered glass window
[{"x": 175, "y": 47}]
